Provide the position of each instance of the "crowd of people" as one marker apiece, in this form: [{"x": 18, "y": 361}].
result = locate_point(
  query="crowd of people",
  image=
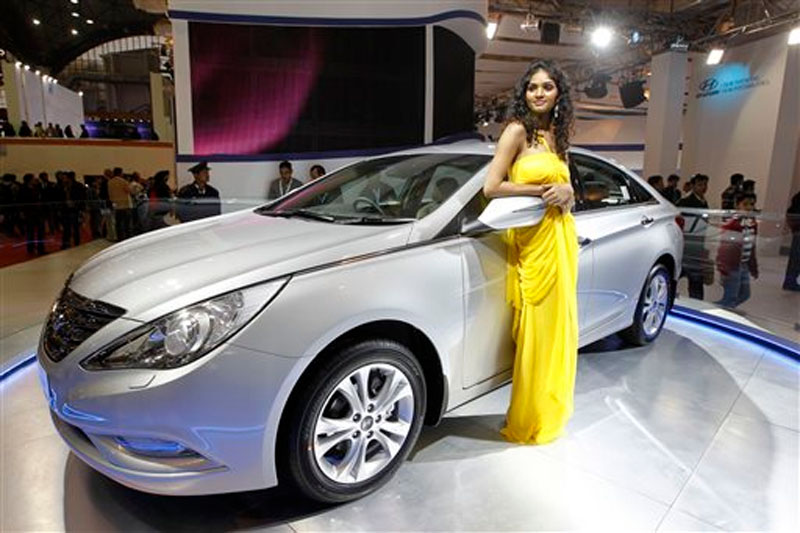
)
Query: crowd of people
[
  {"x": 735, "y": 261},
  {"x": 286, "y": 182},
  {"x": 115, "y": 205},
  {"x": 42, "y": 132}
]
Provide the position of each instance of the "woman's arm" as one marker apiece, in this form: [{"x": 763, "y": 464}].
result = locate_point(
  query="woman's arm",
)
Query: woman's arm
[
  {"x": 508, "y": 147},
  {"x": 496, "y": 185}
]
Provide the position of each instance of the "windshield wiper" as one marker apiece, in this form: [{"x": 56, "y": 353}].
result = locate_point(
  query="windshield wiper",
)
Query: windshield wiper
[
  {"x": 377, "y": 221},
  {"x": 302, "y": 213}
]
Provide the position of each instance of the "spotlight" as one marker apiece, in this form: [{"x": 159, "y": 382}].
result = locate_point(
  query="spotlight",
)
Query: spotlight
[
  {"x": 18, "y": 64},
  {"x": 529, "y": 24},
  {"x": 491, "y": 29},
  {"x": 597, "y": 87},
  {"x": 601, "y": 37},
  {"x": 794, "y": 36},
  {"x": 80, "y": 93},
  {"x": 635, "y": 37},
  {"x": 76, "y": 14},
  {"x": 74, "y": 31},
  {"x": 89, "y": 21},
  {"x": 74, "y": 1},
  {"x": 55, "y": 81},
  {"x": 38, "y": 72},
  {"x": 27, "y": 67},
  {"x": 36, "y": 22},
  {"x": 715, "y": 56}
]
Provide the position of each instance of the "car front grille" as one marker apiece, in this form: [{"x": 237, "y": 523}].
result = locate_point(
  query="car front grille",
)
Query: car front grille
[{"x": 73, "y": 320}]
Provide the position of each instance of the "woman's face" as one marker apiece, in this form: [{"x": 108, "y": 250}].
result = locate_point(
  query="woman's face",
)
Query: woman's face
[{"x": 542, "y": 93}]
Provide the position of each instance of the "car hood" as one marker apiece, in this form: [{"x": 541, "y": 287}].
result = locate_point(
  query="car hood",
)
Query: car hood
[{"x": 159, "y": 272}]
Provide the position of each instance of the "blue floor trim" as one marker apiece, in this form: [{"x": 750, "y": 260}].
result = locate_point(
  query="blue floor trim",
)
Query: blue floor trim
[
  {"x": 17, "y": 367},
  {"x": 742, "y": 331}
]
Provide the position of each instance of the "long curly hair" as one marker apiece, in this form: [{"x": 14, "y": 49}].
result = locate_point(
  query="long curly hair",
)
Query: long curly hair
[{"x": 561, "y": 121}]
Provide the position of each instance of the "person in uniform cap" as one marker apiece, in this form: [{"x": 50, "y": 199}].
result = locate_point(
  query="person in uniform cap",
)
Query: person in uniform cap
[{"x": 198, "y": 199}]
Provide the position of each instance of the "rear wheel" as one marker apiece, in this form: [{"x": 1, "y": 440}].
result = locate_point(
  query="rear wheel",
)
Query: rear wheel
[
  {"x": 358, "y": 421},
  {"x": 651, "y": 310}
]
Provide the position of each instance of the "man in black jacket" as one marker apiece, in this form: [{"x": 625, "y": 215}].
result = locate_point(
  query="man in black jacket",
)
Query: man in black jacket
[
  {"x": 695, "y": 255},
  {"x": 198, "y": 199}
]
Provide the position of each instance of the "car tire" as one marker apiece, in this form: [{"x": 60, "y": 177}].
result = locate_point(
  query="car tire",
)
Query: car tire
[
  {"x": 651, "y": 309},
  {"x": 367, "y": 432}
]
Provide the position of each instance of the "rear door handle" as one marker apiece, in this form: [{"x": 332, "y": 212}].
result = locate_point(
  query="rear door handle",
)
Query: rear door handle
[
  {"x": 646, "y": 220},
  {"x": 584, "y": 241}
]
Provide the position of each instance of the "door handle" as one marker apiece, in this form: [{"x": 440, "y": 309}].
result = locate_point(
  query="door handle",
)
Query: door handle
[
  {"x": 583, "y": 241},
  {"x": 646, "y": 220}
]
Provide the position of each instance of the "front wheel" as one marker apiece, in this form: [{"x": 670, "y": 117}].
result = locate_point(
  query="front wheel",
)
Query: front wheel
[
  {"x": 362, "y": 414},
  {"x": 651, "y": 310}
]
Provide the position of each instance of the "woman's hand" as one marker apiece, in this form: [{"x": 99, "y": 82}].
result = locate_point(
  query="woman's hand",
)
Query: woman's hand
[{"x": 559, "y": 194}]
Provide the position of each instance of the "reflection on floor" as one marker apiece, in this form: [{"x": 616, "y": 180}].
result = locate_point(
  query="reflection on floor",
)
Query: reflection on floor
[{"x": 696, "y": 432}]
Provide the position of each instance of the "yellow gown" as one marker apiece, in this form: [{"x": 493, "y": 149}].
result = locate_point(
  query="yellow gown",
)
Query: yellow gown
[{"x": 542, "y": 287}]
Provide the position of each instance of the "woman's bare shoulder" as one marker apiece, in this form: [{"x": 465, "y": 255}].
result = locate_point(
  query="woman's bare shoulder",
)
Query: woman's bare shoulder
[{"x": 515, "y": 130}]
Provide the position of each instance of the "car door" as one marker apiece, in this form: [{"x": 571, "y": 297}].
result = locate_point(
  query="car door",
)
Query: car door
[
  {"x": 488, "y": 348},
  {"x": 613, "y": 221}
]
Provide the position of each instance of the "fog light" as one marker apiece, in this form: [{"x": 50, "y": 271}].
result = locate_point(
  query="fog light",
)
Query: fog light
[{"x": 154, "y": 447}]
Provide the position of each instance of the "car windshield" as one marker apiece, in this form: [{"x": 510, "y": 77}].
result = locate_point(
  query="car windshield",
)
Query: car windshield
[{"x": 394, "y": 189}]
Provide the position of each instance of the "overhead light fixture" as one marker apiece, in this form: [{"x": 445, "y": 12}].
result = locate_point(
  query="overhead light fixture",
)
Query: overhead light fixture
[
  {"x": 635, "y": 37},
  {"x": 601, "y": 37},
  {"x": 529, "y": 24},
  {"x": 80, "y": 93},
  {"x": 74, "y": 31},
  {"x": 89, "y": 21},
  {"x": 36, "y": 22},
  {"x": 715, "y": 56},
  {"x": 18, "y": 64},
  {"x": 27, "y": 67},
  {"x": 55, "y": 81},
  {"x": 76, "y": 14},
  {"x": 74, "y": 1},
  {"x": 45, "y": 78},
  {"x": 794, "y": 36},
  {"x": 38, "y": 72},
  {"x": 491, "y": 29}
]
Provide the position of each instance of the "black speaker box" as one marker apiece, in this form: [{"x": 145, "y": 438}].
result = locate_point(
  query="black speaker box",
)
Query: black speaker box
[
  {"x": 632, "y": 93},
  {"x": 550, "y": 32}
]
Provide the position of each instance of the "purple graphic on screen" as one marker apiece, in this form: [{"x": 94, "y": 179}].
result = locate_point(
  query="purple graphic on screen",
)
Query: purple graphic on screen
[{"x": 249, "y": 85}]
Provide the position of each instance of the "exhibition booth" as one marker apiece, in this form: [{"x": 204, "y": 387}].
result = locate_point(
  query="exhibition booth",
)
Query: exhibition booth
[{"x": 204, "y": 374}]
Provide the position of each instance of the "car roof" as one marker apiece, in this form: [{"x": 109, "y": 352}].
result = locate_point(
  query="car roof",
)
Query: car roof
[{"x": 470, "y": 146}]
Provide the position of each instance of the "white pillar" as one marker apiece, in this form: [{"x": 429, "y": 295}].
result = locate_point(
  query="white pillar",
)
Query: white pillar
[
  {"x": 664, "y": 113},
  {"x": 429, "y": 60}
]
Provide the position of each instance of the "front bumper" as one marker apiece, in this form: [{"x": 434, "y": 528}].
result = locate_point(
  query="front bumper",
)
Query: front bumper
[{"x": 225, "y": 408}]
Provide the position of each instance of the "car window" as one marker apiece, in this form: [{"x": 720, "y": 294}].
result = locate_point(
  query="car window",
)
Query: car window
[
  {"x": 603, "y": 185},
  {"x": 402, "y": 188}
]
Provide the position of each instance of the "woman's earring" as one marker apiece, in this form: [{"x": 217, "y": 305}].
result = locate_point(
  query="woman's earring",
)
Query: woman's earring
[{"x": 555, "y": 112}]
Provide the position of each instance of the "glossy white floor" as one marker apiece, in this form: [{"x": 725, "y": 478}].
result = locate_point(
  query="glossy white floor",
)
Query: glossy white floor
[{"x": 696, "y": 432}]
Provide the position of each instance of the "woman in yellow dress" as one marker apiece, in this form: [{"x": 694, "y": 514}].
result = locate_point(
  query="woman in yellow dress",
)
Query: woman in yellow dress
[{"x": 543, "y": 259}]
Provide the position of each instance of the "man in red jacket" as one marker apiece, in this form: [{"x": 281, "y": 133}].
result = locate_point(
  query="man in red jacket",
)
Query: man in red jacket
[{"x": 736, "y": 256}]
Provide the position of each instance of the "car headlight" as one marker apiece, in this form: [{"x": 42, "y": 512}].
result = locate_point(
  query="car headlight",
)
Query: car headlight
[{"x": 187, "y": 334}]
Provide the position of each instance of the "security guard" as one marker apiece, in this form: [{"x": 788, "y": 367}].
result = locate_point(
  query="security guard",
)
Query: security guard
[{"x": 198, "y": 199}]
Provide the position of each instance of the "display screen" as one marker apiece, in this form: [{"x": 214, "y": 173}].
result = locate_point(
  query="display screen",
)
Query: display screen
[{"x": 259, "y": 89}]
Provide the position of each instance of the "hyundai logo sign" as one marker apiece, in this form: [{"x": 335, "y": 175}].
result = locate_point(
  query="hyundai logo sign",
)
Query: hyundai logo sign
[{"x": 708, "y": 85}]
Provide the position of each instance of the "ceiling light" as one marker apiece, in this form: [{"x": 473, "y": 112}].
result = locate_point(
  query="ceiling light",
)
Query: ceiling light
[
  {"x": 55, "y": 81},
  {"x": 45, "y": 78},
  {"x": 529, "y": 24},
  {"x": 36, "y": 22},
  {"x": 38, "y": 72},
  {"x": 636, "y": 37},
  {"x": 74, "y": 31},
  {"x": 89, "y": 21},
  {"x": 715, "y": 56},
  {"x": 76, "y": 14},
  {"x": 491, "y": 29},
  {"x": 794, "y": 36},
  {"x": 601, "y": 37},
  {"x": 27, "y": 67},
  {"x": 80, "y": 93},
  {"x": 74, "y": 1},
  {"x": 18, "y": 64}
]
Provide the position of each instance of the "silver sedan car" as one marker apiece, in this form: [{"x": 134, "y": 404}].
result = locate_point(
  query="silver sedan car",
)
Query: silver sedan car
[{"x": 308, "y": 341}]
